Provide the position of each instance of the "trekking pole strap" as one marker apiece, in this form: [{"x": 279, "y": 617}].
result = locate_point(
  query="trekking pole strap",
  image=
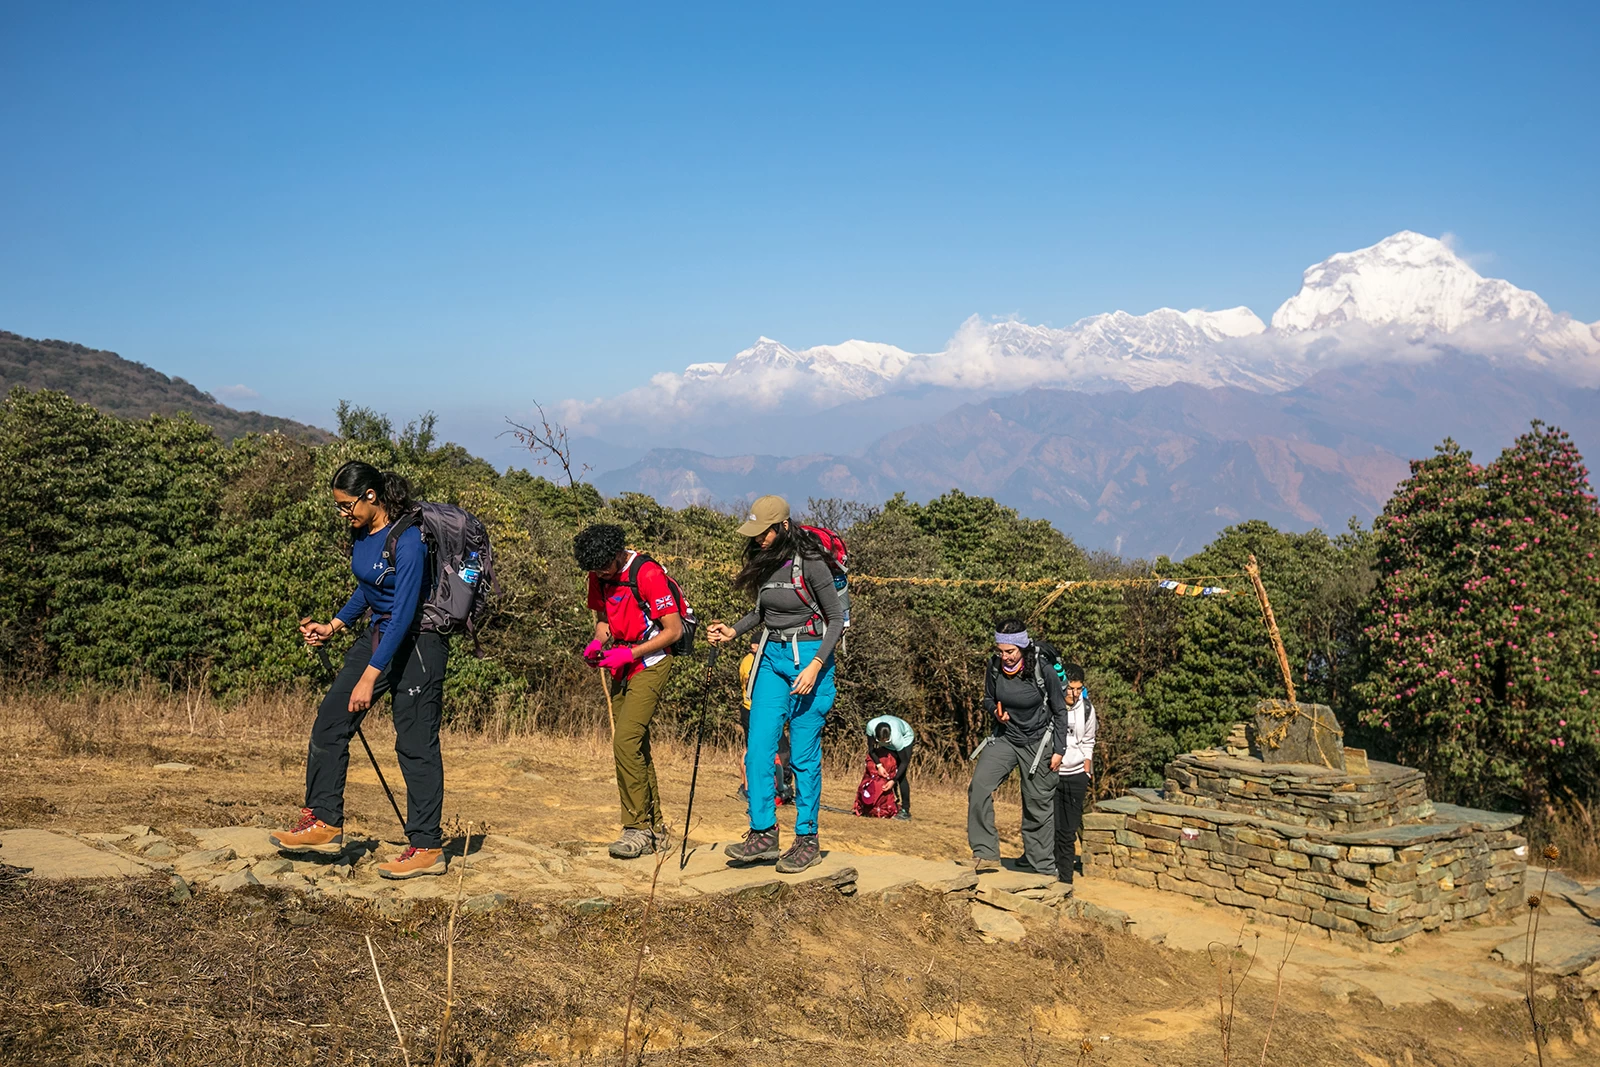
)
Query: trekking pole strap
[{"x": 1044, "y": 743}]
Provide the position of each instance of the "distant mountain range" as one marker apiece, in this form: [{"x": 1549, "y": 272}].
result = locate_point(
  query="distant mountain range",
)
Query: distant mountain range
[
  {"x": 131, "y": 390},
  {"x": 1140, "y": 433}
]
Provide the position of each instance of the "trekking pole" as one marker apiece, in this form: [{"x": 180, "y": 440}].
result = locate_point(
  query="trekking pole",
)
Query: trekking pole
[
  {"x": 381, "y": 780},
  {"x": 694, "y": 776},
  {"x": 327, "y": 665}
]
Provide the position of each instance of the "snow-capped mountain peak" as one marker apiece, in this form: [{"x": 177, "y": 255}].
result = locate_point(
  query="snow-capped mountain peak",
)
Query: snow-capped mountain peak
[
  {"x": 1408, "y": 297},
  {"x": 1408, "y": 280}
]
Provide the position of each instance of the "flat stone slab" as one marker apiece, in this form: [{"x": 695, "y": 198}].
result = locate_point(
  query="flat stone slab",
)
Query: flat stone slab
[
  {"x": 1488, "y": 820},
  {"x": 250, "y": 842},
  {"x": 1587, "y": 904},
  {"x": 1120, "y": 805},
  {"x": 1559, "y": 952},
  {"x": 1013, "y": 881},
  {"x": 51, "y": 855},
  {"x": 708, "y": 872},
  {"x": 997, "y": 924},
  {"x": 1401, "y": 836}
]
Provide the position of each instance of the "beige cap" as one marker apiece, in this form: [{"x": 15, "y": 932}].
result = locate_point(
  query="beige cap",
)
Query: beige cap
[{"x": 765, "y": 513}]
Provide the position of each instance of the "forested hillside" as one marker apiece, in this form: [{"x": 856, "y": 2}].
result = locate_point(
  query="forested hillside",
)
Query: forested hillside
[
  {"x": 131, "y": 390},
  {"x": 1460, "y": 634}
]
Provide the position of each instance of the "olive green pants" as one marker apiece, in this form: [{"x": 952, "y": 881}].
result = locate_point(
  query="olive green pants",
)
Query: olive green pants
[{"x": 634, "y": 706}]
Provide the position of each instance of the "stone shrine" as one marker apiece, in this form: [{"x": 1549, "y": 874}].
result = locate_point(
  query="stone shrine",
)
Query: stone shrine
[{"x": 1351, "y": 846}]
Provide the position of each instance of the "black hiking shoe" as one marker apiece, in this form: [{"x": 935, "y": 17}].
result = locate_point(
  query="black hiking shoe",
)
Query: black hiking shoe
[
  {"x": 903, "y": 816},
  {"x": 758, "y": 846},
  {"x": 805, "y": 852}
]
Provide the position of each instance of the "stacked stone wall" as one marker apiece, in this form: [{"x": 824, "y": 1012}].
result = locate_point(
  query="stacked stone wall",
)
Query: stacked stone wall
[
  {"x": 1380, "y": 885},
  {"x": 1318, "y": 797}
]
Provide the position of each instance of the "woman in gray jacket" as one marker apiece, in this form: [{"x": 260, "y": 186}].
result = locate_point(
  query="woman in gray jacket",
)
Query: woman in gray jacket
[{"x": 1024, "y": 695}]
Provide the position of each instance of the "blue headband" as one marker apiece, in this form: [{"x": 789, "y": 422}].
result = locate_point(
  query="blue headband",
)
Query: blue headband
[{"x": 1019, "y": 639}]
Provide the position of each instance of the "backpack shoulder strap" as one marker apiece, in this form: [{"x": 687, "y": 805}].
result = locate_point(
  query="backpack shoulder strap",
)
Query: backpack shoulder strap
[
  {"x": 398, "y": 527},
  {"x": 630, "y": 578}
]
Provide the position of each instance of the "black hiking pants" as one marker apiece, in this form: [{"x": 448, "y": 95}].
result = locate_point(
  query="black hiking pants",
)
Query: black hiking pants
[
  {"x": 1071, "y": 794},
  {"x": 902, "y": 777},
  {"x": 416, "y": 678}
]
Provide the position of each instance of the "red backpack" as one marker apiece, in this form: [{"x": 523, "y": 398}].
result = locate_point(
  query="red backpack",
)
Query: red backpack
[
  {"x": 875, "y": 796},
  {"x": 834, "y": 545}
]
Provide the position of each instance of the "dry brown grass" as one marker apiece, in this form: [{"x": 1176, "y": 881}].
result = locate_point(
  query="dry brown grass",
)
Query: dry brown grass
[
  {"x": 119, "y": 974},
  {"x": 1570, "y": 825},
  {"x": 149, "y": 721}
]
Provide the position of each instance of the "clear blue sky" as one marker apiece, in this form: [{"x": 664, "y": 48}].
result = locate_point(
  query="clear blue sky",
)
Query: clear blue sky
[{"x": 328, "y": 200}]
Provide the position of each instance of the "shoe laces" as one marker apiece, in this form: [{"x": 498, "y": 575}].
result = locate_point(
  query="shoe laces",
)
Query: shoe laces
[
  {"x": 307, "y": 820},
  {"x": 408, "y": 853}
]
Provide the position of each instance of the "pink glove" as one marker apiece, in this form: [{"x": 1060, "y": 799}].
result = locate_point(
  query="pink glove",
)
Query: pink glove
[
  {"x": 592, "y": 652},
  {"x": 617, "y": 660}
]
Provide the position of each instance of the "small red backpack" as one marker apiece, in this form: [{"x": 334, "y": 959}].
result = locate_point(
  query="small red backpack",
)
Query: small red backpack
[{"x": 875, "y": 795}]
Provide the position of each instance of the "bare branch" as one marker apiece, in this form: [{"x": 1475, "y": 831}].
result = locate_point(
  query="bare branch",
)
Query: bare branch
[
  {"x": 549, "y": 443},
  {"x": 398, "y": 1035}
]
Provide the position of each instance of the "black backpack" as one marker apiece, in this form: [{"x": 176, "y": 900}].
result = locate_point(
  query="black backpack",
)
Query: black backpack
[
  {"x": 684, "y": 645},
  {"x": 451, "y": 535},
  {"x": 1045, "y": 653}
]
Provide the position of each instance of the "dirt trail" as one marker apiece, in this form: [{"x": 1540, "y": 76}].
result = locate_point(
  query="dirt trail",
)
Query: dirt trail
[{"x": 899, "y": 972}]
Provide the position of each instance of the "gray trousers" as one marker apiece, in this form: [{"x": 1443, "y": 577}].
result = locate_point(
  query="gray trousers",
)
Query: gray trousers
[{"x": 995, "y": 764}]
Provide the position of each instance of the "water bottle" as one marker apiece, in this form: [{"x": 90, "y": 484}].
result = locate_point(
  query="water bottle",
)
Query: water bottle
[{"x": 469, "y": 569}]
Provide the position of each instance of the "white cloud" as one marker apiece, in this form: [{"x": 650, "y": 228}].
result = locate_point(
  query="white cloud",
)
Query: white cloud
[
  {"x": 1452, "y": 241},
  {"x": 234, "y": 395}
]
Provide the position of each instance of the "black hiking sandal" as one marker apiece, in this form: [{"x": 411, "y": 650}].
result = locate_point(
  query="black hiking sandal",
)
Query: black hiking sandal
[
  {"x": 758, "y": 846},
  {"x": 805, "y": 852}
]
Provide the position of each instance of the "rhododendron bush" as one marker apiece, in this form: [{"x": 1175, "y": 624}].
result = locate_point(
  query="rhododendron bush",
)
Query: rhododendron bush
[{"x": 1483, "y": 632}]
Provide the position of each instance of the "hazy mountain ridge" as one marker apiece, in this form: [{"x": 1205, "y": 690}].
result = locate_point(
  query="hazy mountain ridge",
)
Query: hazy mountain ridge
[
  {"x": 128, "y": 389},
  {"x": 1163, "y": 469}
]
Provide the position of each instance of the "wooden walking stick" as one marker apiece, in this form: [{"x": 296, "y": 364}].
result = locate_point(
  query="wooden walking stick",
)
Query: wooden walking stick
[
  {"x": 605, "y": 687},
  {"x": 1254, "y": 571}
]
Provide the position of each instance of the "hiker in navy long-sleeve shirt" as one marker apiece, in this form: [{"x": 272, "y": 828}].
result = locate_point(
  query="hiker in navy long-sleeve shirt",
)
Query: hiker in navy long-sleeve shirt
[
  {"x": 391, "y": 593},
  {"x": 390, "y": 657}
]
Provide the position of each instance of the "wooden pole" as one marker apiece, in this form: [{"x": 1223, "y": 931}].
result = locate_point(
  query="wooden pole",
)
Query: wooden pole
[
  {"x": 1254, "y": 570},
  {"x": 605, "y": 687}
]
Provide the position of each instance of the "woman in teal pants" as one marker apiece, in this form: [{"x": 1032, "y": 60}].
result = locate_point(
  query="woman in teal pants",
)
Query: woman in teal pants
[{"x": 800, "y": 620}]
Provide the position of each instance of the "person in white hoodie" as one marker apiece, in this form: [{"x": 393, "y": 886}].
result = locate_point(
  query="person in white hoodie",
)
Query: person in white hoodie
[{"x": 1074, "y": 784}]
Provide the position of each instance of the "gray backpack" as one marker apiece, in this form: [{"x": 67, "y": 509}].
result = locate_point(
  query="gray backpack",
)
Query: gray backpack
[{"x": 460, "y": 577}]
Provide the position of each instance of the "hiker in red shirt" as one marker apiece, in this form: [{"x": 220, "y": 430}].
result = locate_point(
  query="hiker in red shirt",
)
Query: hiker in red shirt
[{"x": 639, "y": 613}]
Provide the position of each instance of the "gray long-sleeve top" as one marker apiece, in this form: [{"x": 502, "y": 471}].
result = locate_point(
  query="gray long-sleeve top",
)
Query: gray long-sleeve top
[
  {"x": 1030, "y": 710},
  {"x": 782, "y": 609}
]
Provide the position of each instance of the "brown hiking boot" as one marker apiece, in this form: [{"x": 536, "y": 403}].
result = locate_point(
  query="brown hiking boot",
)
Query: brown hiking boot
[
  {"x": 414, "y": 862},
  {"x": 310, "y": 834}
]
